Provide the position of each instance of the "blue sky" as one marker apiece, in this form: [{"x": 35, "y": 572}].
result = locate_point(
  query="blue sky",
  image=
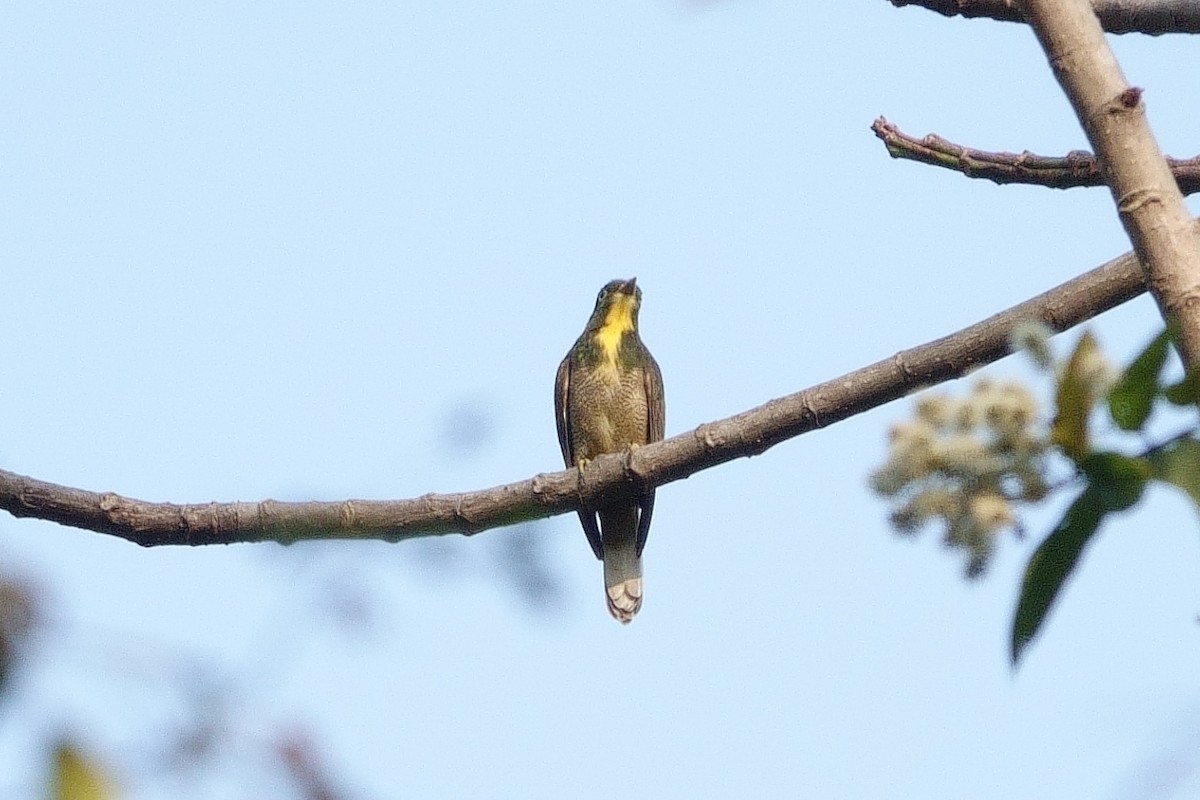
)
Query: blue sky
[{"x": 255, "y": 250}]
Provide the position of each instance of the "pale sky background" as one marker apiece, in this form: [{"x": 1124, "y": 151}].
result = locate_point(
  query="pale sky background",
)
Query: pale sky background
[{"x": 287, "y": 250}]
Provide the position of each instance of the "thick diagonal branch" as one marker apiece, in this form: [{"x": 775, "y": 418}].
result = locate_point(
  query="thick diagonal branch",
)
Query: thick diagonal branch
[
  {"x": 1113, "y": 116},
  {"x": 1153, "y": 17},
  {"x": 1075, "y": 169},
  {"x": 606, "y": 478}
]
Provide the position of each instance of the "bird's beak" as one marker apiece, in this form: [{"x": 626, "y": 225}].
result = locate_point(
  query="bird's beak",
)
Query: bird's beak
[{"x": 629, "y": 286}]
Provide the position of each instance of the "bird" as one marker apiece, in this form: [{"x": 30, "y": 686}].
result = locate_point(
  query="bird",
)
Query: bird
[{"x": 608, "y": 398}]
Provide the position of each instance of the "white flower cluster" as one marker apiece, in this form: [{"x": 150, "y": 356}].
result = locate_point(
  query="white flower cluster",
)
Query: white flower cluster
[{"x": 965, "y": 462}]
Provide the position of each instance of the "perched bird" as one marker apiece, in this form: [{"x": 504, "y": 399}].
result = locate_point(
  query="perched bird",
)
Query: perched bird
[{"x": 608, "y": 397}]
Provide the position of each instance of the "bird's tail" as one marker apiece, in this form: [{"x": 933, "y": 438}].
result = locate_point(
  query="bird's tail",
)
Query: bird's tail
[{"x": 622, "y": 564}]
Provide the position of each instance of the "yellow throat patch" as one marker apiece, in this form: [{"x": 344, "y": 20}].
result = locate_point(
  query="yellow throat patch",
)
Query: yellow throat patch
[{"x": 617, "y": 323}]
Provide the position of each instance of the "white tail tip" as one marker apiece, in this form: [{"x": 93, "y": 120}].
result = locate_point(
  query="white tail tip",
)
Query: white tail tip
[{"x": 625, "y": 599}]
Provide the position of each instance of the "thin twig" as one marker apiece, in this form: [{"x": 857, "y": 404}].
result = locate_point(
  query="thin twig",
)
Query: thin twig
[{"x": 1075, "y": 169}]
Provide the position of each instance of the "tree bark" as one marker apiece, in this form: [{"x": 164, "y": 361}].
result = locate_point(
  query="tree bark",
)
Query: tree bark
[{"x": 1148, "y": 201}]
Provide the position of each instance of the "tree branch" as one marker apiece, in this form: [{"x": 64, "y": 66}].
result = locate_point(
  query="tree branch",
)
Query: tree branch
[
  {"x": 1164, "y": 236},
  {"x": 1075, "y": 169},
  {"x": 607, "y": 478},
  {"x": 1153, "y": 17}
]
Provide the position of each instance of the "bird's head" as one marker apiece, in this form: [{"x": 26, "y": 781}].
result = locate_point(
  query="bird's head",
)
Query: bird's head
[{"x": 617, "y": 307}]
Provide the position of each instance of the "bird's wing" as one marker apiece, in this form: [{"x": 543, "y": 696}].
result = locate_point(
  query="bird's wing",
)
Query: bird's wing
[
  {"x": 656, "y": 405},
  {"x": 562, "y": 387},
  {"x": 656, "y": 426}
]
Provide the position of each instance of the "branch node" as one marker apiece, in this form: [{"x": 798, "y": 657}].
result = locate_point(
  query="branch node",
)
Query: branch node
[
  {"x": 634, "y": 473},
  {"x": 1137, "y": 199},
  {"x": 349, "y": 515},
  {"x": 706, "y": 436},
  {"x": 901, "y": 364},
  {"x": 462, "y": 516},
  {"x": 1131, "y": 97},
  {"x": 810, "y": 410}
]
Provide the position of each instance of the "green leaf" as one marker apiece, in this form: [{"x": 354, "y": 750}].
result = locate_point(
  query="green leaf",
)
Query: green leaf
[
  {"x": 1179, "y": 465},
  {"x": 1052, "y": 563},
  {"x": 1131, "y": 399},
  {"x": 1074, "y": 400},
  {"x": 1184, "y": 393},
  {"x": 1115, "y": 482},
  {"x": 1119, "y": 479}
]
